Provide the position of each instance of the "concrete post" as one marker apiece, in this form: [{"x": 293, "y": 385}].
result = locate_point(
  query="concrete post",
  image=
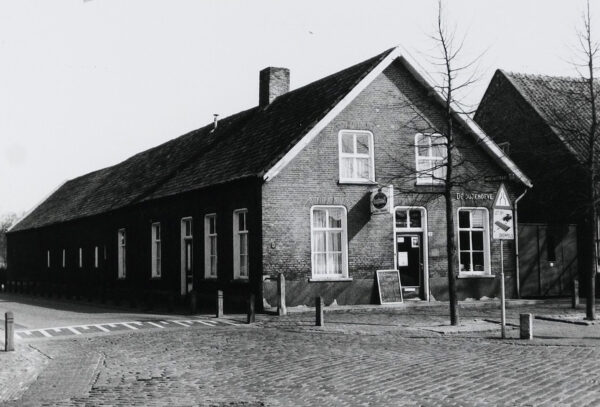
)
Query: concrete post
[
  {"x": 281, "y": 308},
  {"x": 220, "y": 304},
  {"x": 251, "y": 309},
  {"x": 526, "y": 326},
  {"x": 575, "y": 299},
  {"x": 319, "y": 311},
  {"x": 9, "y": 332}
]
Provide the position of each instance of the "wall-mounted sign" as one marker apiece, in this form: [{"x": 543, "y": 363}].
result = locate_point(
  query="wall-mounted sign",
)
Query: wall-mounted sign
[
  {"x": 464, "y": 196},
  {"x": 390, "y": 289},
  {"x": 503, "y": 224},
  {"x": 382, "y": 199}
]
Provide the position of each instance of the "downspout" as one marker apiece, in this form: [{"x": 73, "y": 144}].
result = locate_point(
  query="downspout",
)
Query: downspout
[{"x": 516, "y": 228}]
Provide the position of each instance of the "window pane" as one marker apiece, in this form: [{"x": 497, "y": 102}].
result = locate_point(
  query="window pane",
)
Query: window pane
[
  {"x": 438, "y": 147},
  {"x": 477, "y": 261},
  {"x": 464, "y": 241},
  {"x": 347, "y": 143},
  {"x": 319, "y": 244},
  {"x": 319, "y": 218},
  {"x": 401, "y": 219},
  {"x": 362, "y": 143},
  {"x": 334, "y": 243},
  {"x": 213, "y": 245},
  {"x": 335, "y": 217},
  {"x": 243, "y": 244},
  {"x": 415, "y": 218},
  {"x": 242, "y": 221},
  {"x": 188, "y": 227},
  {"x": 464, "y": 220},
  {"x": 335, "y": 263},
  {"x": 363, "y": 168},
  {"x": 477, "y": 240},
  {"x": 477, "y": 218},
  {"x": 423, "y": 151},
  {"x": 347, "y": 167},
  {"x": 320, "y": 263},
  {"x": 465, "y": 261}
]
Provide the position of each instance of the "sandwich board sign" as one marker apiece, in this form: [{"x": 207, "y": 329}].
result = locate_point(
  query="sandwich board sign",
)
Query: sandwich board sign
[{"x": 503, "y": 225}]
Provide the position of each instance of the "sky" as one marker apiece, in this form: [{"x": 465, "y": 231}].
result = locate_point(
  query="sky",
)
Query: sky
[{"x": 85, "y": 84}]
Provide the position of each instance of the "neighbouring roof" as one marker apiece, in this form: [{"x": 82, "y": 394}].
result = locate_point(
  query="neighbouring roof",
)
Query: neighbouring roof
[
  {"x": 563, "y": 103},
  {"x": 257, "y": 142}
]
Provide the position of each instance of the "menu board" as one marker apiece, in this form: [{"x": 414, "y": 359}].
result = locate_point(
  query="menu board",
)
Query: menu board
[{"x": 390, "y": 289}]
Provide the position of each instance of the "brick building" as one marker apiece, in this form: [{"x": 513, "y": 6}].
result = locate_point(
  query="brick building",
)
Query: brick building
[
  {"x": 291, "y": 185},
  {"x": 543, "y": 122}
]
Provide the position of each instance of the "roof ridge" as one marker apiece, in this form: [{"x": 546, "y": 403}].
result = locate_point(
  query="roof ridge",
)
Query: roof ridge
[{"x": 545, "y": 76}]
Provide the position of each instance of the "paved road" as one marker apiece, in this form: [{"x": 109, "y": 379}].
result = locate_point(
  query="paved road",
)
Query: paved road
[{"x": 381, "y": 357}]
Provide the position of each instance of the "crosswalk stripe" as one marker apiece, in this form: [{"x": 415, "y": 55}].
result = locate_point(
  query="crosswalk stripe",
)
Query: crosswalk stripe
[
  {"x": 155, "y": 324},
  {"x": 46, "y": 334},
  {"x": 103, "y": 329},
  {"x": 125, "y": 324},
  {"x": 181, "y": 323},
  {"x": 205, "y": 323},
  {"x": 75, "y": 331}
]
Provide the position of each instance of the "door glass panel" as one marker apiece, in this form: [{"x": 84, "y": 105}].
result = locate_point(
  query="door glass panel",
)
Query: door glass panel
[
  {"x": 415, "y": 218},
  {"x": 401, "y": 219}
]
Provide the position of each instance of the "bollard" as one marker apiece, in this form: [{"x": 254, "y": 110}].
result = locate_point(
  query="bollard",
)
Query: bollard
[
  {"x": 251, "y": 309},
  {"x": 281, "y": 309},
  {"x": 319, "y": 309},
  {"x": 9, "y": 333},
  {"x": 193, "y": 302},
  {"x": 220, "y": 304},
  {"x": 526, "y": 326},
  {"x": 575, "y": 299}
]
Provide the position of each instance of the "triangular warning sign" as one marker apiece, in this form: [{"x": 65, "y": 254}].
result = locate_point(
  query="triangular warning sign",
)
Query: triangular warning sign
[{"x": 502, "y": 200}]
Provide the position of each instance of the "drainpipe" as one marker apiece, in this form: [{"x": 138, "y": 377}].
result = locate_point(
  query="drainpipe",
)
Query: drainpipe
[{"x": 516, "y": 226}]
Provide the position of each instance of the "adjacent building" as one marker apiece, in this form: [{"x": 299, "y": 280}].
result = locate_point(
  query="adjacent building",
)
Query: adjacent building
[{"x": 327, "y": 184}]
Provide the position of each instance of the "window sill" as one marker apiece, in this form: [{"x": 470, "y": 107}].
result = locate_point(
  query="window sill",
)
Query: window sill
[
  {"x": 355, "y": 182},
  {"x": 330, "y": 280},
  {"x": 476, "y": 275}
]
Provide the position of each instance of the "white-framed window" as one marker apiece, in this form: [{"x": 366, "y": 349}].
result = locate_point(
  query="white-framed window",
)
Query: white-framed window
[
  {"x": 48, "y": 258},
  {"x": 409, "y": 218},
  {"x": 81, "y": 257},
  {"x": 210, "y": 245},
  {"x": 96, "y": 258},
  {"x": 431, "y": 155},
  {"x": 64, "y": 258},
  {"x": 122, "y": 253},
  {"x": 187, "y": 255},
  {"x": 156, "y": 250},
  {"x": 473, "y": 241},
  {"x": 356, "y": 156},
  {"x": 329, "y": 242},
  {"x": 240, "y": 243}
]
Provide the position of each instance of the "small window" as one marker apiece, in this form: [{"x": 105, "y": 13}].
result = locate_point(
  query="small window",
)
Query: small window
[
  {"x": 210, "y": 246},
  {"x": 80, "y": 257},
  {"x": 473, "y": 240},
  {"x": 356, "y": 156},
  {"x": 122, "y": 253},
  {"x": 187, "y": 256},
  {"x": 64, "y": 258},
  {"x": 329, "y": 242},
  {"x": 48, "y": 258},
  {"x": 96, "y": 260},
  {"x": 409, "y": 218},
  {"x": 156, "y": 250},
  {"x": 240, "y": 244},
  {"x": 431, "y": 155}
]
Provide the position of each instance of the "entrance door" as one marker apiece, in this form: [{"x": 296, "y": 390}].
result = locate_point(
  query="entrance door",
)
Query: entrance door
[
  {"x": 409, "y": 254},
  {"x": 189, "y": 270}
]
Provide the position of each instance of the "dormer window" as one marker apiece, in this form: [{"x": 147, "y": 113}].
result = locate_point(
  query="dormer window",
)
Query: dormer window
[
  {"x": 431, "y": 153},
  {"x": 356, "y": 156}
]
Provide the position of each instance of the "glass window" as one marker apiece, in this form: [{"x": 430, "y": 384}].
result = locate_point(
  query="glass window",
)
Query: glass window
[
  {"x": 356, "y": 156},
  {"x": 240, "y": 244},
  {"x": 430, "y": 155},
  {"x": 210, "y": 246},
  {"x": 409, "y": 218},
  {"x": 329, "y": 242},
  {"x": 473, "y": 243},
  {"x": 156, "y": 250},
  {"x": 122, "y": 253}
]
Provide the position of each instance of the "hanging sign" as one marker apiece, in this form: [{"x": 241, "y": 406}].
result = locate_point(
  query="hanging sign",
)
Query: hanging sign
[
  {"x": 503, "y": 225},
  {"x": 382, "y": 200}
]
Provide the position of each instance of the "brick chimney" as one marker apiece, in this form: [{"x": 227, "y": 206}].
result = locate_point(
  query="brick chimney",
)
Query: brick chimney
[{"x": 273, "y": 82}]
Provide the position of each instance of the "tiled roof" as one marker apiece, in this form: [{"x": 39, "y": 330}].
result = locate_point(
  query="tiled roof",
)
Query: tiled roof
[
  {"x": 243, "y": 145},
  {"x": 563, "y": 103}
]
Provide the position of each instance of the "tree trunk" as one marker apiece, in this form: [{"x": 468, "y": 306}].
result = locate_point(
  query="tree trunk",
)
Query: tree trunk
[{"x": 452, "y": 260}]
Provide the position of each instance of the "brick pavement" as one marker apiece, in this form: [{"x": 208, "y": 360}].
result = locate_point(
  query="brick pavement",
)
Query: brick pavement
[{"x": 370, "y": 358}]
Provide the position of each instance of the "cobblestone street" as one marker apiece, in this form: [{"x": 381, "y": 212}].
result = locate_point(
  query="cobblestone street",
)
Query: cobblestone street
[{"x": 374, "y": 357}]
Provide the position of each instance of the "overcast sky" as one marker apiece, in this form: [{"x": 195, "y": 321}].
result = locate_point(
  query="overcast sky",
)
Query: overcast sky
[{"x": 86, "y": 84}]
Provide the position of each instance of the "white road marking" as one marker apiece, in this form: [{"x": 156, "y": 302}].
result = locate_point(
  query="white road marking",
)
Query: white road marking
[
  {"x": 155, "y": 324},
  {"x": 205, "y": 323},
  {"x": 75, "y": 331},
  {"x": 103, "y": 329},
  {"x": 85, "y": 327},
  {"x": 224, "y": 321},
  {"x": 112, "y": 325},
  {"x": 181, "y": 323},
  {"x": 46, "y": 334},
  {"x": 125, "y": 324},
  {"x": 56, "y": 329}
]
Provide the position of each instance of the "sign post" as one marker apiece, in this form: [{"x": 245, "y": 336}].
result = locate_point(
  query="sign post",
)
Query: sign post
[{"x": 502, "y": 230}]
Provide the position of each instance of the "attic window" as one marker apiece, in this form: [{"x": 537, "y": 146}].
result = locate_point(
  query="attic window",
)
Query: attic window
[{"x": 356, "y": 156}]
